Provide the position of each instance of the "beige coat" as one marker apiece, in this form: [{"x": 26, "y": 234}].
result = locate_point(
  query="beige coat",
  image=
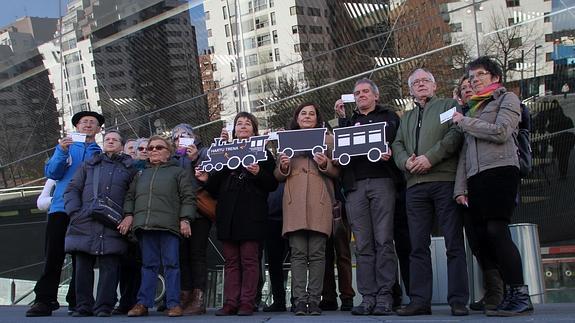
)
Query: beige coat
[{"x": 309, "y": 194}]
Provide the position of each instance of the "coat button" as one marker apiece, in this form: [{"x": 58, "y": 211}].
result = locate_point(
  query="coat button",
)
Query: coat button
[{"x": 107, "y": 187}]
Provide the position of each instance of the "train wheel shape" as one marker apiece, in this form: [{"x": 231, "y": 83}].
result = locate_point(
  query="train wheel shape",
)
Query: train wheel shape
[
  {"x": 234, "y": 162},
  {"x": 288, "y": 152},
  {"x": 374, "y": 154},
  {"x": 344, "y": 159},
  {"x": 209, "y": 167},
  {"x": 219, "y": 166},
  {"x": 317, "y": 150},
  {"x": 248, "y": 160}
]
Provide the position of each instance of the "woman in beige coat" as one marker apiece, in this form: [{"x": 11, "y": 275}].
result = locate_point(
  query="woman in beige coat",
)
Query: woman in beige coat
[{"x": 307, "y": 212}]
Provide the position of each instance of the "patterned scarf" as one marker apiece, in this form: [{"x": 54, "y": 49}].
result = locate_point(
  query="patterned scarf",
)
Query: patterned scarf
[{"x": 477, "y": 101}]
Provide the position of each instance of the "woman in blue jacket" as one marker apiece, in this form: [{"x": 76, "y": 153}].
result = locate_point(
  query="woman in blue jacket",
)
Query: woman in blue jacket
[{"x": 88, "y": 239}]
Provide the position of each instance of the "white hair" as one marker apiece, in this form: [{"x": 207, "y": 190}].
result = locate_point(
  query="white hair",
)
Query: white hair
[{"x": 410, "y": 79}]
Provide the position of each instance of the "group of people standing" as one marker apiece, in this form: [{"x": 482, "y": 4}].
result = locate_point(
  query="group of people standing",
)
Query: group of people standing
[{"x": 463, "y": 171}]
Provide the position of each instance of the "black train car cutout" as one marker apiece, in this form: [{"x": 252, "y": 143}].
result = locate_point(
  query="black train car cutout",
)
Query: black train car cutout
[
  {"x": 233, "y": 154},
  {"x": 312, "y": 140},
  {"x": 368, "y": 139}
]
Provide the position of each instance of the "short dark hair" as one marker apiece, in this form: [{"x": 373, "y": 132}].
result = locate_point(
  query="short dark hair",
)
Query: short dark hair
[
  {"x": 248, "y": 116},
  {"x": 461, "y": 80},
  {"x": 294, "y": 125},
  {"x": 117, "y": 132},
  {"x": 489, "y": 64}
]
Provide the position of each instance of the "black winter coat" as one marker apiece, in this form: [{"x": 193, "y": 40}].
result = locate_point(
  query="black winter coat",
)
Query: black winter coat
[
  {"x": 84, "y": 233},
  {"x": 242, "y": 207}
]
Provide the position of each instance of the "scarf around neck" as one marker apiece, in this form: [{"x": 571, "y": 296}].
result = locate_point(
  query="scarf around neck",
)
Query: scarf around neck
[{"x": 477, "y": 101}]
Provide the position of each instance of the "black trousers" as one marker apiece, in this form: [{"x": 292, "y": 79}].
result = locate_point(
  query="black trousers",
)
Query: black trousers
[
  {"x": 130, "y": 276},
  {"x": 424, "y": 202},
  {"x": 109, "y": 266},
  {"x": 276, "y": 250},
  {"x": 46, "y": 288},
  {"x": 401, "y": 240},
  {"x": 193, "y": 259}
]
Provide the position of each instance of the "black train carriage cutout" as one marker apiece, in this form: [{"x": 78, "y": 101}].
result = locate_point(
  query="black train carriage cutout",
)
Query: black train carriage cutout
[
  {"x": 233, "y": 154},
  {"x": 368, "y": 139},
  {"x": 313, "y": 140}
]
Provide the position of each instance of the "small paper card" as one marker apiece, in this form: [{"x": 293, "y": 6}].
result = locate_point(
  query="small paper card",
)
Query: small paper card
[
  {"x": 273, "y": 135},
  {"x": 78, "y": 137},
  {"x": 447, "y": 115},
  {"x": 230, "y": 129},
  {"x": 347, "y": 98},
  {"x": 185, "y": 142}
]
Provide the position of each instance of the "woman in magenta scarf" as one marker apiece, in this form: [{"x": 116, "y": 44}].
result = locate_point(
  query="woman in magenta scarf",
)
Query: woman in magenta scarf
[{"x": 488, "y": 178}]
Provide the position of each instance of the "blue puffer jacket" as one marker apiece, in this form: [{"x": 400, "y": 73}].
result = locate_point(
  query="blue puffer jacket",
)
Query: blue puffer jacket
[
  {"x": 62, "y": 166},
  {"x": 84, "y": 233}
]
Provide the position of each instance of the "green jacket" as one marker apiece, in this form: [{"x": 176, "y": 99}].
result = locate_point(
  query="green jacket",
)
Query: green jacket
[
  {"x": 440, "y": 143},
  {"x": 160, "y": 196}
]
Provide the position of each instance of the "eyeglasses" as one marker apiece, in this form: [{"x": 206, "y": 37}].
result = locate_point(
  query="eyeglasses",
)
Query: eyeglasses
[
  {"x": 421, "y": 81},
  {"x": 89, "y": 122},
  {"x": 141, "y": 148},
  {"x": 477, "y": 75},
  {"x": 158, "y": 148}
]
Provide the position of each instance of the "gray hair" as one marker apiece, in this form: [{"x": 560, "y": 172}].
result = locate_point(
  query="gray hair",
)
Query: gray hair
[
  {"x": 371, "y": 83},
  {"x": 421, "y": 69},
  {"x": 139, "y": 141},
  {"x": 182, "y": 127}
]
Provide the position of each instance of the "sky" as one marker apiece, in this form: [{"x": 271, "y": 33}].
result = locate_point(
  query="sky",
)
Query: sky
[{"x": 11, "y": 10}]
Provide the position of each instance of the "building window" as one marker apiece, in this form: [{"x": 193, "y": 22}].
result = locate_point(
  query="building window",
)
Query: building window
[
  {"x": 549, "y": 38},
  {"x": 227, "y": 29},
  {"x": 515, "y": 42},
  {"x": 275, "y": 36},
  {"x": 548, "y": 57},
  {"x": 315, "y": 29},
  {"x": 299, "y": 29},
  {"x": 547, "y": 18},
  {"x": 271, "y": 3},
  {"x": 252, "y": 60},
  {"x": 479, "y": 27},
  {"x": 210, "y": 32},
  {"x": 512, "y": 3},
  {"x": 232, "y": 67},
  {"x": 225, "y": 12},
  {"x": 511, "y": 21},
  {"x": 263, "y": 40},
  {"x": 230, "y": 49},
  {"x": 277, "y": 54},
  {"x": 207, "y": 15},
  {"x": 273, "y": 18},
  {"x": 455, "y": 27},
  {"x": 260, "y": 5},
  {"x": 314, "y": 12},
  {"x": 296, "y": 10}
]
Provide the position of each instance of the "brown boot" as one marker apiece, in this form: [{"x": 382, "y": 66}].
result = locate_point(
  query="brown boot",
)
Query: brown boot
[
  {"x": 174, "y": 311},
  {"x": 197, "y": 303},
  {"x": 185, "y": 298},
  {"x": 138, "y": 310}
]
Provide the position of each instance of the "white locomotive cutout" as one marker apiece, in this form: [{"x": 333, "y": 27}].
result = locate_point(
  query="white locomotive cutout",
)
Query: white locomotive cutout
[
  {"x": 233, "y": 154},
  {"x": 368, "y": 139}
]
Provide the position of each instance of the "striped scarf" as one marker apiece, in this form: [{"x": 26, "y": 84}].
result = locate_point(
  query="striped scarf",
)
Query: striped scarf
[{"x": 477, "y": 101}]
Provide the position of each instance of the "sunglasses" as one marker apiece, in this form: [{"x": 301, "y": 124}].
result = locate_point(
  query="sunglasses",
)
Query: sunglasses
[
  {"x": 159, "y": 148},
  {"x": 141, "y": 148}
]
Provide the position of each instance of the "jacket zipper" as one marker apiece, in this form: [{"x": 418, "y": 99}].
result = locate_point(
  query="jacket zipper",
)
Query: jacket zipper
[
  {"x": 150, "y": 196},
  {"x": 419, "y": 117}
]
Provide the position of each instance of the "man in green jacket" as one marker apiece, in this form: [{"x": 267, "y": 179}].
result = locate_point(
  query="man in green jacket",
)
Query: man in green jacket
[{"x": 426, "y": 150}]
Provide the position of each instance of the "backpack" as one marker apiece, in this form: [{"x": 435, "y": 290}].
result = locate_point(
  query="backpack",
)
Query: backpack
[{"x": 523, "y": 143}]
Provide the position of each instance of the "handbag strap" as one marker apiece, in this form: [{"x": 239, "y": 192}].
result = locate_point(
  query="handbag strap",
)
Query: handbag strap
[{"x": 96, "y": 180}]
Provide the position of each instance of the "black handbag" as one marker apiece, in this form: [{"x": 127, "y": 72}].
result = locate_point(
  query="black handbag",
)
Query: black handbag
[{"x": 104, "y": 209}]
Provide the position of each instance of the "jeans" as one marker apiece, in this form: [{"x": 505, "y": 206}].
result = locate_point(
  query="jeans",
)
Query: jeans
[{"x": 159, "y": 247}]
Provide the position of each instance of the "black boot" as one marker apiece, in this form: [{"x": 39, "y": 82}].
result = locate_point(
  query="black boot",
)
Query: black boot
[
  {"x": 493, "y": 296},
  {"x": 516, "y": 302}
]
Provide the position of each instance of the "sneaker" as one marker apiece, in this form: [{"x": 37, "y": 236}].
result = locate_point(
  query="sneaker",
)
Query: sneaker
[
  {"x": 300, "y": 309},
  {"x": 362, "y": 309},
  {"x": 275, "y": 307},
  {"x": 313, "y": 309},
  {"x": 120, "y": 311},
  {"x": 104, "y": 314},
  {"x": 138, "y": 310},
  {"x": 39, "y": 309},
  {"x": 328, "y": 305}
]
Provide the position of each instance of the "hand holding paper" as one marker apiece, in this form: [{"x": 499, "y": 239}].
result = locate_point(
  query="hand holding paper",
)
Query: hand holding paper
[{"x": 447, "y": 115}]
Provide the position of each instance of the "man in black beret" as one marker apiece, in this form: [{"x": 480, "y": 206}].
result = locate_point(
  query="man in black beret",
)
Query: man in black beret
[{"x": 69, "y": 154}]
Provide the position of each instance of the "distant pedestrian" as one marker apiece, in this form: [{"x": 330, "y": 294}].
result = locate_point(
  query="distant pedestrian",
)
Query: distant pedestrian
[{"x": 565, "y": 89}]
